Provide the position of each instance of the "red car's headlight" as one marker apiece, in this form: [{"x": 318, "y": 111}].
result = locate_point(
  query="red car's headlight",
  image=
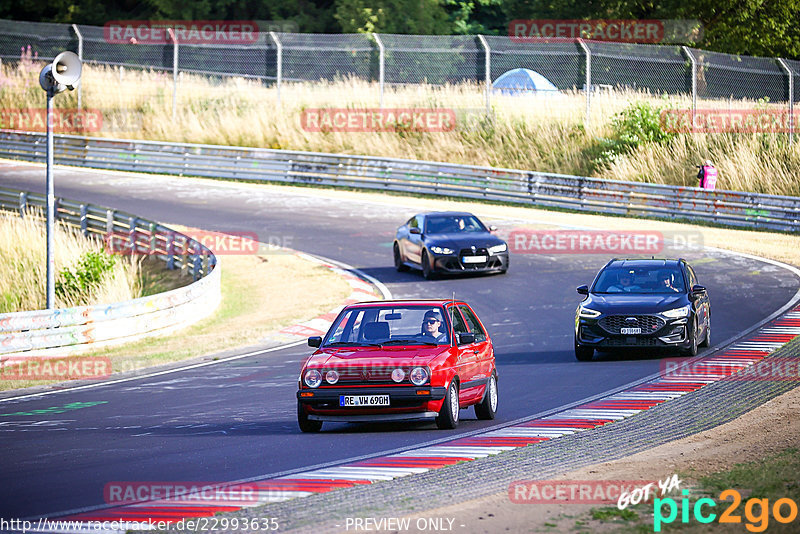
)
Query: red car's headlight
[
  {"x": 313, "y": 378},
  {"x": 331, "y": 377},
  {"x": 418, "y": 376}
]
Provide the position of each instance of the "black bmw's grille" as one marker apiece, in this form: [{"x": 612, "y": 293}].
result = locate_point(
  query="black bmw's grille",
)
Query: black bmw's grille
[
  {"x": 648, "y": 323},
  {"x": 477, "y": 252}
]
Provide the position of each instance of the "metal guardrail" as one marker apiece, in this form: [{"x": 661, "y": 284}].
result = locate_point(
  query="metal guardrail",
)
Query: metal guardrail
[
  {"x": 538, "y": 189},
  {"x": 65, "y": 331}
]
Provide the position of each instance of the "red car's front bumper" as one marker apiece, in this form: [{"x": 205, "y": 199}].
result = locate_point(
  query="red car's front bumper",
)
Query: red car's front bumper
[{"x": 405, "y": 403}]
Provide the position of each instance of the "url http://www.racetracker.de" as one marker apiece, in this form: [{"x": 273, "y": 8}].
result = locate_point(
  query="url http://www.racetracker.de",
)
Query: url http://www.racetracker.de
[{"x": 263, "y": 524}]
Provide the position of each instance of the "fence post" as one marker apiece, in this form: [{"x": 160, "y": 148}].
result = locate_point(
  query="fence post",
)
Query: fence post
[
  {"x": 205, "y": 263},
  {"x": 153, "y": 229},
  {"x": 381, "y": 65},
  {"x": 80, "y": 56},
  {"x": 133, "y": 222},
  {"x": 588, "y": 81},
  {"x": 84, "y": 219},
  {"x": 185, "y": 257},
  {"x": 23, "y": 204},
  {"x": 791, "y": 98},
  {"x": 170, "y": 250},
  {"x": 110, "y": 229},
  {"x": 694, "y": 80},
  {"x": 174, "y": 71},
  {"x": 488, "y": 69},
  {"x": 197, "y": 264},
  {"x": 279, "y": 59}
]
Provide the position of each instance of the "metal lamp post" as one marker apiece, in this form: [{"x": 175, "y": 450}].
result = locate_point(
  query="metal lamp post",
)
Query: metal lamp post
[{"x": 62, "y": 74}]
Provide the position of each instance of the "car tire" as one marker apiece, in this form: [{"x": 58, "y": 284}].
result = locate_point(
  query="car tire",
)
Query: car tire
[
  {"x": 398, "y": 261},
  {"x": 707, "y": 339},
  {"x": 583, "y": 354},
  {"x": 427, "y": 271},
  {"x": 487, "y": 408},
  {"x": 692, "y": 349},
  {"x": 448, "y": 415},
  {"x": 305, "y": 424}
]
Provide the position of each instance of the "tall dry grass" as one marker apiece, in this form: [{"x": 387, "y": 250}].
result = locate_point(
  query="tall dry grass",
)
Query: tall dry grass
[
  {"x": 543, "y": 134},
  {"x": 23, "y": 269},
  {"x": 762, "y": 163}
]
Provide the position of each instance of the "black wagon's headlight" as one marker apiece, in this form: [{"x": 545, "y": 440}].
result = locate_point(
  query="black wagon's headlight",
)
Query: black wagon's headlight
[{"x": 588, "y": 313}]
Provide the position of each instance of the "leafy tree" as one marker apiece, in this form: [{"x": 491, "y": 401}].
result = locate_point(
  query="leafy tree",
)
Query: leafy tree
[
  {"x": 752, "y": 27},
  {"x": 427, "y": 17},
  {"x": 472, "y": 17}
]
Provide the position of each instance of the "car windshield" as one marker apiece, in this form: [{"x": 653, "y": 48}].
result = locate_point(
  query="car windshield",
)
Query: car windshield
[
  {"x": 640, "y": 280},
  {"x": 452, "y": 224},
  {"x": 389, "y": 325}
]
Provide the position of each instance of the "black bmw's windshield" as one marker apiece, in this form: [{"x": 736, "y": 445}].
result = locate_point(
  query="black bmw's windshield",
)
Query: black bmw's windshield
[{"x": 453, "y": 224}]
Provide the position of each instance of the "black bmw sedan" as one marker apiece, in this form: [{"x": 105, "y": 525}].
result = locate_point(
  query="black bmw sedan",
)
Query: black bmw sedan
[
  {"x": 643, "y": 303},
  {"x": 449, "y": 242}
]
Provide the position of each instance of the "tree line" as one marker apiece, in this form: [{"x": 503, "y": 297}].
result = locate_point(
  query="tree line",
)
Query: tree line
[{"x": 747, "y": 27}]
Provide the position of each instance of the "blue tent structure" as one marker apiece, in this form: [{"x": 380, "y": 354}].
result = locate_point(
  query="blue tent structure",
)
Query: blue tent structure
[{"x": 520, "y": 82}]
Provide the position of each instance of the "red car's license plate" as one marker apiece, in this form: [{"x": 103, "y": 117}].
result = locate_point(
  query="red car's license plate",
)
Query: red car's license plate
[{"x": 363, "y": 400}]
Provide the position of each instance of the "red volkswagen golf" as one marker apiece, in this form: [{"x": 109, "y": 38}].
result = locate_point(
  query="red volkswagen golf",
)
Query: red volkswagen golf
[{"x": 399, "y": 361}]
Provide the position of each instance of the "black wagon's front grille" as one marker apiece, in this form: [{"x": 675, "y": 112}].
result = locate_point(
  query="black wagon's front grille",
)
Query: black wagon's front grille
[{"x": 613, "y": 324}]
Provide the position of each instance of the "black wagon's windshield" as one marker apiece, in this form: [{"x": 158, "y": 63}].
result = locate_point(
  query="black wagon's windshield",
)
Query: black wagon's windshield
[
  {"x": 640, "y": 280},
  {"x": 390, "y": 325},
  {"x": 453, "y": 224}
]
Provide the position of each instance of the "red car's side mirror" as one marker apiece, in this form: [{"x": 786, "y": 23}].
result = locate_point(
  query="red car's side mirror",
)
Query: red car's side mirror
[{"x": 466, "y": 338}]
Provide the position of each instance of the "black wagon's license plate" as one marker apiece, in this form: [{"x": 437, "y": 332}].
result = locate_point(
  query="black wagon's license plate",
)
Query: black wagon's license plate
[
  {"x": 363, "y": 400},
  {"x": 630, "y": 331}
]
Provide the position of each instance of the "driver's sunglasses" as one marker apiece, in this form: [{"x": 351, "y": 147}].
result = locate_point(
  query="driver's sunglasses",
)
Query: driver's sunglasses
[{"x": 431, "y": 321}]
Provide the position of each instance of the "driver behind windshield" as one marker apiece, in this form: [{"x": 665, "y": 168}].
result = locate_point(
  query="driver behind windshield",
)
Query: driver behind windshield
[
  {"x": 432, "y": 327},
  {"x": 624, "y": 283}
]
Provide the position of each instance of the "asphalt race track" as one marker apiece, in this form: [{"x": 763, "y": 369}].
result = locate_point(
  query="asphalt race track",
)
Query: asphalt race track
[{"x": 235, "y": 420}]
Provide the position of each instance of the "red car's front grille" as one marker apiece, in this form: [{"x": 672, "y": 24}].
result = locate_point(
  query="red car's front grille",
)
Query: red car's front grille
[{"x": 367, "y": 375}]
